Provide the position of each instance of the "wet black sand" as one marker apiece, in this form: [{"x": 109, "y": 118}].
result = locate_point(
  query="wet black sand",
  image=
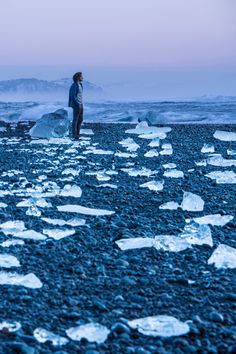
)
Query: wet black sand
[{"x": 87, "y": 278}]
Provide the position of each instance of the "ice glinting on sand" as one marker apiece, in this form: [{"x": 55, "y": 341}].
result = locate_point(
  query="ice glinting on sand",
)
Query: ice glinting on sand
[
  {"x": 222, "y": 177},
  {"x": 73, "y": 208},
  {"x": 42, "y": 336},
  {"x": 10, "y": 326},
  {"x": 29, "y": 281},
  {"x": 208, "y": 149},
  {"x": 151, "y": 153},
  {"x": 60, "y": 222},
  {"x": 153, "y": 185},
  {"x": 58, "y": 234},
  {"x": 129, "y": 144},
  {"x": 8, "y": 261},
  {"x": 142, "y": 172},
  {"x": 93, "y": 332},
  {"x": 213, "y": 219},
  {"x": 160, "y": 326},
  {"x": 224, "y": 135},
  {"x": 224, "y": 256},
  {"x": 173, "y": 173}
]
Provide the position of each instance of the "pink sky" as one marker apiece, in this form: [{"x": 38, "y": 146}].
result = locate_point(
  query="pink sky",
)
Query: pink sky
[{"x": 119, "y": 33}]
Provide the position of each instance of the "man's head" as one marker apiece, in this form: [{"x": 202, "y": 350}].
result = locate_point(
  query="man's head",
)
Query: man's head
[{"x": 78, "y": 77}]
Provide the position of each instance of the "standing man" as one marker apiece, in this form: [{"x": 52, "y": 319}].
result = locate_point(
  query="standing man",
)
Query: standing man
[{"x": 76, "y": 102}]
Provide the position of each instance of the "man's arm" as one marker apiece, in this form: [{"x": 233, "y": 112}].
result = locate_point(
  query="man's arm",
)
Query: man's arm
[{"x": 73, "y": 95}]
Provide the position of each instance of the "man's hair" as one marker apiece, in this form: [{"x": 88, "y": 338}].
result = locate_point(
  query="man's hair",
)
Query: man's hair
[{"x": 76, "y": 76}]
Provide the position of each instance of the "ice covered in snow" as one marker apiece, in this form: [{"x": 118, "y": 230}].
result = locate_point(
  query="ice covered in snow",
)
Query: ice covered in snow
[
  {"x": 222, "y": 177},
  {"x": 10, "y": 326},
  {"x": 143, "y": 171},
  {"x": 218, "y": 160},
  {"x": 129, "y": 144},
  {"x": 133, "y": 243},
  {"x": 224, "y": 135},
  {"x": 93, "y": 332},
  {"x": 169, "y": 206},
  {"x": 174, "y": 173},
  {"x": 153, "y": 185},
  {"x": 74, "y": 208},
  {"x": 71, "y": 191},
  {"x": 151, "y": 153},
  {"x": 224, "y": 256},
  {"x": 42, "y": 336},
  {"x": 8, "y": 261},
  {"x": 214, "y": 219},
  {"x": 72, "y": 222},
  {"x": 208, "y": 149},
  {"x": 160, "y": 326},
  {"x": 9, "y": 243},
  {"x": 58, "y": 234},
  {"x": 192, "y": 202},
  {"x": 29, "y": 281}
]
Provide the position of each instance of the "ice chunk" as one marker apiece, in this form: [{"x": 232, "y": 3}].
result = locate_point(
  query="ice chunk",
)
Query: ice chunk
[
  {"x": 169, "y": 206},
  {"x": 71, "y": 191},
  {"x": 86, "y": 132},
  {"x": 135, "y": 172},
  {"x": 93, "y": 332},
  {"x": 214, "y": 219},
  {"x": 98, "y": 152},
  {"x": 173, "y": 174},
  {"x": 192, "y": 202},
  {"x": 33, "y": 201},
  {"x": 222, "y": 177},
  {"x": 153, "y": 136},
  {"x": 29, "y": 281},
  {"x": 58, "y": 234},
  {"x": 129, "y": 144},
  {"x": 71, "y": 171},
  {"x": 3, "y": 205},
  {"x": 224, "y": 256},
  {"x": 153, "y": 185},
  {"x": 42, "y": 336},
  {"x": 208, "y": 149},
  {"x": 9, "y": 243},
  {"x": 133, "y": 243},
  {"x": 12, "y": 326},
  {"x": 72, "y": 222},
  {"x": 166, "y": 151},
  {"x": 151, "y": 153},
  {"x": 8, "y": 261},
  {"x": 224, "y": 135},
  {"x": 149, "y": 130},
  {"x": 160, "y": 326},
  {"x": 169, "y": 165},
  {"x": 33, "y": 210},
  {"x": 231, "y": 152},
  {"x": 196, "y": 234},
  {"x": 10, "y": 227},
  {"x": 29, "y": 234},
  {"x": 125, "y": 154},
  {"x": 218, "y": 160},
  {"x": 73, "y": 208},
  {"x": 154, "y": 143},
  {"x": 108, "y": 185},
  {"x": 170, "y": 243},
  {"x": 102, "y": 176},
  {"x": 201, "y": 163}
]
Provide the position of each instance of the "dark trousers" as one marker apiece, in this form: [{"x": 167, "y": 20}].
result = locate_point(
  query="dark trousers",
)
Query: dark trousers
[{"x": 77, "y": 120}]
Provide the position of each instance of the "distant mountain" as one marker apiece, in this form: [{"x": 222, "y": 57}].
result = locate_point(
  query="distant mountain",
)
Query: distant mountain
[
  {"x": 217, "y": 98},
  {"x": 31, "y": 86}
]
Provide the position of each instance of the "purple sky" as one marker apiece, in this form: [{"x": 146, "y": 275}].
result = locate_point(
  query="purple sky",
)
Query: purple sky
[{"x": 157, "y": 34}]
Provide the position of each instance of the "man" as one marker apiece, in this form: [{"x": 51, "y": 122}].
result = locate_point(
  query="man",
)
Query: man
[{"x": 76, "y": 102}]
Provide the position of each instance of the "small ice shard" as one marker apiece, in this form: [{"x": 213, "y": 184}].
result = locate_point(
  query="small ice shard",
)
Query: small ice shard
[
  {"x": 192, "y": 202},
  {"x": 125, "y": 154},
  {"x": 218, "y": 160},
  {"x": 72, "y": 222},
  {"x": 33, "y": 211},
  {"x": 169, "y": 165},
  {"x": 108, "y": 185},
  {"x": 208, "y": 149},
  {"x": 98, "y": 151},
  {"x": 224, "y": 135},
  {"x": 58, "y": 234},
  {"x": 153, "y": 136},
  {"x": 133, "y": 243},
  {"x": 224, "y": 256},
  {"x": 160, "y": 326},
  {"x": 151, "y": 153},
  {"x": 166, "y": 150},
  {"x": 135, "y": 172},
  {"x": 231, "y": 152},
  {"x": 29, "y": 281},
  {"x": 73, "y": 208},
  {"x": 102, "y": 176},
  {"x": 32, "y": 202},
  {"x": 10, "y": 326},
  {"x": 141, "y": 129},
  {"x": 129, "y": 144},
  {"x": 93, "y": 332},
  {"x": 170, "y": 243},
  {"x": 29, "y": 234},
  {"x": 71, "y": 171},
  {"x": 169, "y": 206},
  {"x": 154, "y": 143},
  {"x": 71, "y": 191},
  {"x": 8, "y": 261},
  {"x": 153, "y": 185},
  {"x": 173, "y": 174},
  {"x": 191, "y": 170},
  {"x": 201, "y": 163},
  {"x": 9, "y": 243},
  {"x": 42, "y": 336},
  {"x": 196, "y": 234},
  {"x": 222, "y": 177},
  {"x": 86, "y": 132},
  {"x": 3, "y": 205},
  {"x": 214, "y": 219},
  {"x": 10, "y": 227}
]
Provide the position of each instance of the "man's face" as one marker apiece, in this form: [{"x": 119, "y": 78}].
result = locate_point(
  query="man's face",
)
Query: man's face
[{"x": 81, "y": 77}]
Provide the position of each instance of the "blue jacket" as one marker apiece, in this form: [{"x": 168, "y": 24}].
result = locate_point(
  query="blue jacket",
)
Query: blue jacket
[{"x": 74, "y": 89}]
